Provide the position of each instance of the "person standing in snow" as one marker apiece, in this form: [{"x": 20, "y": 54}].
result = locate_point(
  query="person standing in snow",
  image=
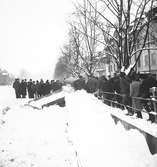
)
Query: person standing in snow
[
  {"x": 92, "y": 84},
  {"x": 107, "y": 88},
  {"x": 101, "y": 82},
  {"x": 79, "y": 83},
  {"x": 16, "y": 86},
  {"x": 23, "y": 87},
  {"x": 37, "y": 91},
  {"x": 145, "y": 86},
  {"x": 125, "y": 90},
  {"x": 135, "y": 92},
  {"x": 47, "y": 87},
  {"x": 116, "y": 89},
  {"x": 29, "y": 88}
]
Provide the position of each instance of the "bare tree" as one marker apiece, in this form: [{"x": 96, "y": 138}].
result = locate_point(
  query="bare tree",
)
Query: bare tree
[
  {"x": 71, "y": 61},
  {"x": 90, "y": 45},
  {"x": 129, "y": 26},
  {"x": 117, "y": 29}
]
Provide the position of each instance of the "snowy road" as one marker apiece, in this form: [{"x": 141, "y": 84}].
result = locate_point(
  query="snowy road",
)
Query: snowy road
[
  {"x": 82, "y": 133},
  {"x": 33, "y": 137}
]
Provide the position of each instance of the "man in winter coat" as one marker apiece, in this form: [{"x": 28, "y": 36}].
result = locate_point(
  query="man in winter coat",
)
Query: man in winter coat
[
  {"x": 47, "y": 87},
  {"x": 29, "y": 88},
  {"x": 37, "y": 89},
  {"x": 92, "y": 84},
  {"x": 108, "y": 91},
  {"x": 116, "y": 89},
  {"x": 16, "y": 86},
  {"x": 125, "y": 89},
  {"x": 23, "y": 87},
  {"x": 135, "y": 92},
  {"x": 101, "y": 82},
  {"x": 146, "y": 84},
  {"x": 79, "y": 83}
]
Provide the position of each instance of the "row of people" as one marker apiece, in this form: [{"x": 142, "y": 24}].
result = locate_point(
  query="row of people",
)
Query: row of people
[
  {"x": 125, "y": 90},
  {"x": 35, "y": 89}
]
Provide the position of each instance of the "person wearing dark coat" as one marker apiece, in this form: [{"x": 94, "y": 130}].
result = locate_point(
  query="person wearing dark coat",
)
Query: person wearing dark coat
[
  {"x": 125, "y": 90},
  {"x": 41, "y": 88},
  {"x": 37, "y": 91},
  {"x": 16, "y": 86},
  {"x": 23, "y": 87},
  {"x": 79, "y": 83},
  {"x": 116, "y": 89},
  {"x": 47, "y": 87},
  {"x": 33, "y": 89},
  {"x": 57, "y": 85},
  {"x": 101, "y": 81},
  {"x": 146, "y": 84},
  {"x": 92, "y": 84},
  {"x": 30, "y": 89},
  {"x": 108, "y": 91},
  {"x": 134, "y": 93},
  {"x": 116, "y": 83}
]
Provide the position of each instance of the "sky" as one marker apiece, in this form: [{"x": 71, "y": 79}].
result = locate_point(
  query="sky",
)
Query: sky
[{"x": 31, "y": 34}]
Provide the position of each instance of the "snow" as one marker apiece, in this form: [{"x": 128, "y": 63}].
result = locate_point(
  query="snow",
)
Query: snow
[
  {"x": 80, "y": 134},
  {"x": 122, "y": 69},
  {"x": 143, "y": 124},
  {"x": 38, "y": 104},
  {"x": 127, "y": 71}
]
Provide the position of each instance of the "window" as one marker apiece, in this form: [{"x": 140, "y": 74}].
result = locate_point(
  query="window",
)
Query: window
[
  {"x": 139, "y": 63},
  {"x": 146, "y": 60},
  {"x": 153, "y": 59}
]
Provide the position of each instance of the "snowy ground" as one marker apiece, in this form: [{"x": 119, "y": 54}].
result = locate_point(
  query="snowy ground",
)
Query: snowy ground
[{"x": 81, "y": 134}]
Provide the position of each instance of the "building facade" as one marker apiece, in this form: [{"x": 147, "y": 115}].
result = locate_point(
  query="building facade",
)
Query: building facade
[{"x": 148, "y": 59}]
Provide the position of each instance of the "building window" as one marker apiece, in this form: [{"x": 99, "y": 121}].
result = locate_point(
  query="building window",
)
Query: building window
[
  {"x": 146, "y": 60},
  {"x": 153, "y": 58},
  {"x": 139, "y": 63}
]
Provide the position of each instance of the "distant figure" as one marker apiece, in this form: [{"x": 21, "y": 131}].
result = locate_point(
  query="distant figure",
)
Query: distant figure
[
  {"x": 101, "y": 82},
  {"x": 135, "y": 92},
  {"x": 41, "y": 87},
  {"x": 47, "y": 87},
  {"x": 125, "y": 90},
  {"x": 51, "y": 85},
  {"x": 116, "y": 89},
  {"x": 37, "y": 89},
  {"x": 57, "y": 85},
  {"x": 16, "y": 86},
  {"x": 145, "y": 86},
  {"x": 92, "y": 84},
  {"x": 79, "y": 83},
  {"x": 30, "y": 90},
  {"x": 23, "y": 87}
]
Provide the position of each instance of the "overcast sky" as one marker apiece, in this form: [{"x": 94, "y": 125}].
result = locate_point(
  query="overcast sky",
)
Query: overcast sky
[{"x": 32, "y": 33}]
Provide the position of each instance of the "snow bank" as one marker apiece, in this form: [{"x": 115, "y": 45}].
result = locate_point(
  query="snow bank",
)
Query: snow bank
[
  {"x": 33, "y": 138},
  {"x": 7, "y": 97},
  {"x": 99, "y": 141},
  {"x": 81, "y": 133},
  {"x": 147, "y": 126},
  {"x": 65, "y": 90}
]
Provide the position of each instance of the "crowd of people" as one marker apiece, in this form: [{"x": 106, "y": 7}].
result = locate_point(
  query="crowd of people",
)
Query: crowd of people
[
  {"x": 35, "y": 89},
  {"x": 126, "y": 91}
]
